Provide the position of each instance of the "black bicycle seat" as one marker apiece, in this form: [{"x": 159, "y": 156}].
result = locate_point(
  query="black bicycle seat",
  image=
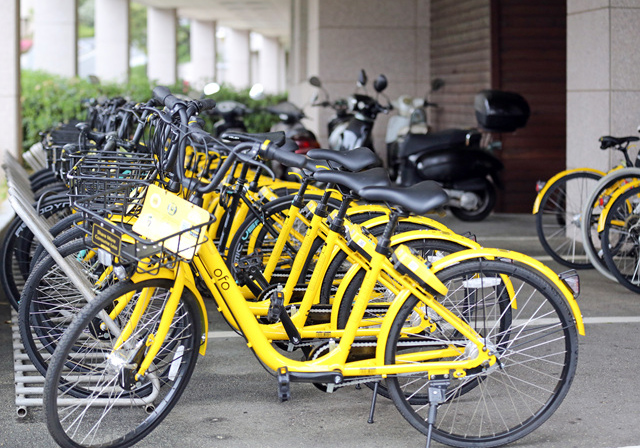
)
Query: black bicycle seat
[
  {"x": 354, "y": 160},
  {"x": 608, "y": 141},
  {"x": 355, "y": 181},
  {"x": 419, "y": 199}
]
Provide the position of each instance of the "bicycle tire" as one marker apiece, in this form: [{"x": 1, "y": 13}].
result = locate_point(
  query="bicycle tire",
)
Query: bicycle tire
[
  {"x": 591, "y": 212},
  {"x": 19, "y": 244},
  {"x": 82, "y": 356},
  {"x": 538, "y": 354},
  {"x": 50, "y": 301},
  {"x": 620, "y": 244},
  {"x": 558, "y": 218}
]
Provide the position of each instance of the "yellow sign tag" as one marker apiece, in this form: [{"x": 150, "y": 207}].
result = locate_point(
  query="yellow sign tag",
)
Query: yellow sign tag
[
  {"x": 106, "y": 239},
  {"x": 164, "y": 214}
]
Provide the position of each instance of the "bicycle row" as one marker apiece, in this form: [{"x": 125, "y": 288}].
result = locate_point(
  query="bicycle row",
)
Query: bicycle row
[
  {"x": 149, "y": 218},
  {"x": 588, "y": 218}
]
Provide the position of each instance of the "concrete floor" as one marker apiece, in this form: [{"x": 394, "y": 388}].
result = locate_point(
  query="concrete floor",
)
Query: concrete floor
[{"x": 231, "y": 401}]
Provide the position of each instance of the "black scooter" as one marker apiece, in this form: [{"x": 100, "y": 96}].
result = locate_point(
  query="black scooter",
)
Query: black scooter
[
  {"x": 455, "y": 158},
  {"x": 231, "y": 117},
  {"x": 352, "y": 126}
]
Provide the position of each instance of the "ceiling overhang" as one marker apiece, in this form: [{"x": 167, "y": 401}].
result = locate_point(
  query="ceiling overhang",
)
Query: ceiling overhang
[{"x": 268, "y": 17}]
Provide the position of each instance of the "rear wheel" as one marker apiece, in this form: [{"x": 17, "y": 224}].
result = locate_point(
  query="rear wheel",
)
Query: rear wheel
[
  {"x": 558, "y": 218},
  {"x": 621, "y": 239},
  {"x": 536, "y": 350},
  {"x": 92, "y": 396},
  {"x": 486, "y": 201}
]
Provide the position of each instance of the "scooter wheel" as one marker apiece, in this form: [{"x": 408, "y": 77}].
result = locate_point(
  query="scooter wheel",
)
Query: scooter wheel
[{"x": 487, "y": 197}]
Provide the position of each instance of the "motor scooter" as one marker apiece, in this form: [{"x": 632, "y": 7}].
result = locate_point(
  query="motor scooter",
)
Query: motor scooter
[
  {"x": 460, "y": 159},
  {"x": 352, "y": 126},
  {"x": 290, "y": 121},
  {"x": 231, "y": 117}
]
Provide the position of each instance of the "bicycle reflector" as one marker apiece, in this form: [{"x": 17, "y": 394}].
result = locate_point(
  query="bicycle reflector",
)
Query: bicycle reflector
[
  {"x": 540, "y": 185},
  {"x": 572, "y": 280}
]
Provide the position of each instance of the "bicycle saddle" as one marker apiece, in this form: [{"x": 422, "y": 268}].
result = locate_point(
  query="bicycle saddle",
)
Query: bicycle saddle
[
  {"x": 354, "y": 160},
  {"x": 355, "y": 181},
  {"x": 419, "y": 199},
  {"x": 608, "y": 141}
]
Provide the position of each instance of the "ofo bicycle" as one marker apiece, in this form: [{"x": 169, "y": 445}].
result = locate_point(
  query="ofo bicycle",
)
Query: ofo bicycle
[{"x": 123, "y": 363}]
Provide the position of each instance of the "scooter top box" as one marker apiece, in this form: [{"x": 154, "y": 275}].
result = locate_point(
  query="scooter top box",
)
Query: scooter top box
[{"x": 499, "y": 111}]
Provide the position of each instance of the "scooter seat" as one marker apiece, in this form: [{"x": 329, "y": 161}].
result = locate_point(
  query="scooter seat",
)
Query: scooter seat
[
  {"x": 377, "y": 177},
  {"x": 419, "y": 199},
  {"x": 450, "y": 138},
  {"x": 354, "y": 160}
]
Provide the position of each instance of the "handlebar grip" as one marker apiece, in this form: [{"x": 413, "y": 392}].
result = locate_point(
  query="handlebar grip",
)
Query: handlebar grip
[
  {"x": 285, "y": 155},
  {"x": 163, "y": 94},
  {"x": 207, "y": 104}
]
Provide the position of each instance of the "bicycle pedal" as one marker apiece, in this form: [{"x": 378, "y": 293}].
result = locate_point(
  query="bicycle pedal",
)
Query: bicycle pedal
[{"x": 284, "y": 382}]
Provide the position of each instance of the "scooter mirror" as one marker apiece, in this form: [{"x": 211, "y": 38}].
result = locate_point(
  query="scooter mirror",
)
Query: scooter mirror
[
  {"x": 315, "y": 81},
  {"x": 211, "y": 88},
  {"x": 437, "y": 84},
  {"x": 362, "y": 78},
  {"x": 380, "y": 83},
  {"x": 257, "y": 92}
]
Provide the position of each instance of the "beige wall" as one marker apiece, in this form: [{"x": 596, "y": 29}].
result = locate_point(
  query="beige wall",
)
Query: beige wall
[
  {"x": 342, "y": 37},
  {"x": 603, "y": 86}
]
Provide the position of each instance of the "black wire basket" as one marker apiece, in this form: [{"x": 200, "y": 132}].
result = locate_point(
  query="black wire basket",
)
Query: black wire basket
[{"x": 97, "y": 172}]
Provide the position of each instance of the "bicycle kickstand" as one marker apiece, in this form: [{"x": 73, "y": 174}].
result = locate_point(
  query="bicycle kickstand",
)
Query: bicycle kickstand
[
  {"x": 373, "y": 401},
  {"x": 437, "y": 392}
]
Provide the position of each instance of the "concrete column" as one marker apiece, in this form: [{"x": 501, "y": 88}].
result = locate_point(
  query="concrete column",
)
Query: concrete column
[
  {"x": 55, "y": 36},
  {"x": 269, "y": 64},
  {"x": 203, "y": 52},
  {"x": 603, "y": 88},
  {"x": 335, "y": 39},
  {"x": 162, "y": 51},
  {"x": 112, "y": 40},
  {"x": 237, "y": 52},
  {"x": 11, "y": 123}
]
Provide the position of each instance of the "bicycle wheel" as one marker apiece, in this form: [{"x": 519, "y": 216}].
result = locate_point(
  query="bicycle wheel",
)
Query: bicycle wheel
[
  {"x": 621, "y": 239},
  {"x": 558, "y": 218},
  {"x": 537, "y": 353},
  {"x": 591, "y": 212},
  {"x": 91, "y": 395},
  {"x": 50, "y": 301},
  {"x": 19, "y": 244}
]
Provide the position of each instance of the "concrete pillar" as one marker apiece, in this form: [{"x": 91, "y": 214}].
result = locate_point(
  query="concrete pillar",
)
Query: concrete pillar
[
  {"x": 112, "y": 40},
  {"x": 162, "y": 51},
  {"x": 203, "y": 52},
  {"x": 269, "y": 64},
  {"x": 238, "y": 53},
  {"x": 55, "y": 36},
  {"x": 334, "y": 39},
  {"x": 603, "y": 88},
  {"x": 11, "y": 123}
]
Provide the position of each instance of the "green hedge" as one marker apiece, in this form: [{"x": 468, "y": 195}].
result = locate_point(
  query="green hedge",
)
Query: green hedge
[{"x": 49, "y": 99}]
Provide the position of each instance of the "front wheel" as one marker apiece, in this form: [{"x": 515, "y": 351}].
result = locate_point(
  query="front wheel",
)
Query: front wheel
[
  {"x": 486, "y": 201},
  {"x": 536, "y": 350},
  {"x": 92, "y": 396}
]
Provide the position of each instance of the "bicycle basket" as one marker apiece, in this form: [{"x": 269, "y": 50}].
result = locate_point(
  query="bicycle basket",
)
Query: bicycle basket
[
  {"x": 147, "y": 225},
  {"x": 103, "y": 171}
]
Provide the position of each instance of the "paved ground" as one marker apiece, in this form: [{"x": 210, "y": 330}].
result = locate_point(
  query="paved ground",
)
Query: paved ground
[{"x": 232, "y": 403}]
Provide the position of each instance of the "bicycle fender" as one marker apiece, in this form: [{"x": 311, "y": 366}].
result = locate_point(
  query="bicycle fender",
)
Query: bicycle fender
[
  {"x": 554, "y": 179},
  {"x": 421, "y": 220},
  {"x": 619, "y": 191},
  {"x": 404, "y": 237},
  {"x": 189, "y": 283},
  {"x": 544, "y": 271},
  {"x": 383, "y": 335}
]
